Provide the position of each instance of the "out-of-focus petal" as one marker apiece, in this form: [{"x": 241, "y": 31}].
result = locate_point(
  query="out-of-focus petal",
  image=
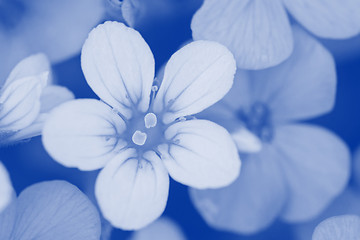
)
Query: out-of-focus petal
[
  {"x": 20, "y": 102},
  {"x": 249, "y": 204},
  {"x": 51, "y": 97},
  {"x": 57, "y": 28},
  {"x": 303, "y": 86},
  {"x": 338, "y": 227},
  {"x": 119, "y": 66},
  {"x": 257, "y": 32},
  {"x": 246, "y": 142},
  {"x": 84, "y": 134},
  {"x": 51, "y": 210},
  {"x": 162, "y": 229},
  {"x": 316, "y": 164},
  {"x": 34, "y": 65},
  {"x": 196, "y": 76},
  {"x": 132, "y": 192},
  {"x": 6, "y": 190},
  {"x": 200, "y": 154},
  {"x": 330, "y": 19}
]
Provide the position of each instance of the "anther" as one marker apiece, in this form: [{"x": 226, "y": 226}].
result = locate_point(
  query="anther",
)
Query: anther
[
  {"x": 139, "y": 138},
  {"x": 150, "y": 120}
]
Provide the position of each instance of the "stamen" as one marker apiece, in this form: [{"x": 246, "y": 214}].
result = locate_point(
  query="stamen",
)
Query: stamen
[
  {"x": 139, "y": 138},
  {"x": 150, "y": 120}
]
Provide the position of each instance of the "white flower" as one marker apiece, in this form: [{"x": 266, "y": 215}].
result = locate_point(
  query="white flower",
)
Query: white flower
[
  {"x": 140, "y": 133},
  {"x": 7, "y": 193},
  {"x": 26, "y": 98}
]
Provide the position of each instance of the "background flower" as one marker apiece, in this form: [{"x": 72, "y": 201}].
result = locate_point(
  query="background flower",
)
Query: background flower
[
  {"x": 50, "y": 210},
  {"x": 259, "y": 33},
  {"x": 300, "y": 167}
]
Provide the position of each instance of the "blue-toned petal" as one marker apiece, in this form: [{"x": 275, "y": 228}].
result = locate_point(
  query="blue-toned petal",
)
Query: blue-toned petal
[
  {"x": 257, "y": 32},
  {"x": 57, "y": 28},
  {"x": 200, "y": 154},
  {"x": 196, "y": 77},
  {"x": 330, "y": 19},
  {"x": 316, "y": 164},
  {"x": 303, "y": 86},
  {"x": 131, "y": 191},
  {"x": 252, "y": 202},
  {"x": 338, "y": 227},
  {"x": 51, "y": 210},
  {"x": 162, "y": 229},
  {"x": 84, "y": 134},
  {"x": 119, "y": 66},
  {"x": 6, "y": 190},
  {"x": 51, "y": 97}
]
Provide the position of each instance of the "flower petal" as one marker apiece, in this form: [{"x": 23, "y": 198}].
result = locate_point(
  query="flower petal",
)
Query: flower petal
[
  {"x": 196, "y": 77},
  {"x": 84, "y": 134},
  {"x": 51, "y": 97},
  {"x": 7, "y": 192},
  {"x": 34, "y": 65},
  {"x": 119, "y": 66},
  {"x": 200, "y": 154},
  {"x": 316, "y": 167},
  {"x": 51, "y": 210},
  {"x": 303, "y": 86},
  {"x": 257, "y": 32},
  {"x": 249, "y": 204},
  {"x": 162, "y": 229},
  {"x": 333, "y": 19},
  {"x": 339, "y": 227},
  {"x": 20, "y": 102},
  {"x": 132, "y": 192}
]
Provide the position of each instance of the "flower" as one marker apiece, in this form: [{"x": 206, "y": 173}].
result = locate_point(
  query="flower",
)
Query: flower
[
  {"x": 57, "y": 28},
  {"x": 339, "y": 227},
  {"x": 139, "y": 132},
  {"x": 299, "y": 168},
  {"x": 51, "y": 210},
  {"x": 162, "y": 229},
  {"x": 6, "y": 189},
  {"x": 259, "y": 33},
  {"x": 26, "y": 98}
]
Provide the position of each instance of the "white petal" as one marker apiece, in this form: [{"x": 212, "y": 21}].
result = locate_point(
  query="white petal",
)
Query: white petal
[
  {"x": 246, "y": 141},
  {"x": 196, "y": 76},
  {"x": 119, "y": 66},
  {"x": 162, "y": 229},
  {"x": 51, "y": 97},
  {"x": 338, "y": 228},
  {"x": 20, "y": 102},
  {"x": 257, "y": 32},
  {"x": 200, "y": 154},
  {"x": 7, "y": 192},
  {"x": 33, "y": 65},
  {"x": 329, "y": 19},
  {"x": 316, "y": 165},
  {"x": 132, "y": 192},
  {"x": 83, "y": 133}
]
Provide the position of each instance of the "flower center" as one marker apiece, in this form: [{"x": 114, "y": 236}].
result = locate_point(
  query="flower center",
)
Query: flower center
[
  {"x": 11, "y": 13},
  {"x": 258, "y": 120}
]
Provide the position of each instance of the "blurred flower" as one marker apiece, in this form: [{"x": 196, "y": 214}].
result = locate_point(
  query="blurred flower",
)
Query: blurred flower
[
  {"x": 299, "y": 168},
  {"x": 26, "y": 98},
  {"x": 348, "y": 203},
  {"x": 6, "y": 190},
  {"x": 259, "y": 33},
  {"x": 57, "y": 28},
  {"x": 337, "y": 228},
  {"x": 162, "y": 229},
  {"x": 51, "y": 210},
  {"x": 139, "y": 133}
]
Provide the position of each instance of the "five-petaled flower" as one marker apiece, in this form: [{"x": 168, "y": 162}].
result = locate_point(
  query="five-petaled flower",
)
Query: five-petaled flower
[
  {"x": 299, "y": 168},
  {"x": 140, "y": 132}
]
